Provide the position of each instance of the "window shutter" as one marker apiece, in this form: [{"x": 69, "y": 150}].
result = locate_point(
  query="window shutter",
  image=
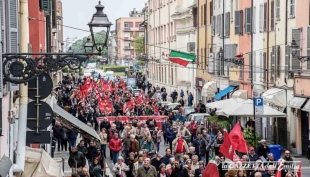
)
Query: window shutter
[
  {"x": 221, "y": 26},
  {"x": 241, "y": 22},
  {"x": 264, "y": 66},
  {"x": 237, "y": 22},
  {"x": 2, "y": 24},
  {"x": 265, "y": 16},
  {"x": 272, "y": 15},
  {"x": 277, "y": 9},
  {"x": 1, "y": 47},
  {"x": 227, "y": 55},
  {"x": 241, "y": 71},
  {"x": 261, "y": 66},
  {"x": 12, "y": 33},
  {"x": 296, "y": 35},
  {"x": 213, "y": 20},
  {"x": 254, "y": 66},
  {"x": 272, "y": 56},
  {"x": 287, "y": 59},
  {"x": 261, "y": 18},
  {"x": 46, "y": 6},
  {"x": 227, "y": 24},
  {"x": 278, "y": 61},
  {"x": 233, "y": 52},
  {"x": 254, "y": 19},
  {"x": 217, "y": 63},
  {"x": 308, "y": 46},
  {"x": 232, "y": 10},
  {"x": 247, "y": 20},
  {"x": 211, "y": 63},
  {"x": 292, "y": 8}
]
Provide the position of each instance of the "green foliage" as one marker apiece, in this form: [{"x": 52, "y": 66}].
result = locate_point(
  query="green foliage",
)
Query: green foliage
[
  {"x": 248, "y": 134},
  {"x": 78, "y": 46},
  {"x": 220, "y": 121},
  {"x": 140, "y": 63},
  {"x": 81, "y": 71},
  {"x": 114, "y": 68},
  {"x": 138, "y": 44},
  {"x": 65, "y": 69}
]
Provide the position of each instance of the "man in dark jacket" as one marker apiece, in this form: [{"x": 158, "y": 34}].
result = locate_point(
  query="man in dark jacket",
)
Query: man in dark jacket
[
  {"x": 76, "y": 160},
  {"x": 71, "y": 138},
  {"x": 164, "y": 128},
  {"x": 119, "y": 125},
  {"x": 81, "y": 147},
  {"x": 57, "y": 134},
  {"x": 179, "y": 171},
  {"x": 91, "y": 152},
  {"x": 166, "y": 158},
  {"x": 157, "y": 161},
  {"x": 200, "y": 147},
  {"x": 105, "y": 124}
]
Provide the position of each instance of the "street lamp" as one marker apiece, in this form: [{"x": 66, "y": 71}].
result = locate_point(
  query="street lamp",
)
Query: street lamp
[
  {"x": 88, "y": 46},
  {"x": 100, "y": 21}
]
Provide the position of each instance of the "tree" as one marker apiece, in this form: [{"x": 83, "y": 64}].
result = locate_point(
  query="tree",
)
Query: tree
[
  {"x": 138, "y": 44},
  {"x": 78, "y": 46}
]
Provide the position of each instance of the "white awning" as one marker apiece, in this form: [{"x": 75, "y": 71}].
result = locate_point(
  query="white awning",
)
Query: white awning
[
  {"x": 39, "y": 163},
  {"x": 296, "y": 102},
  {"x": 246, "y": 109},
  {"x": 219, "y": 105},
  {"x": 209, "y": 89},
  {"x": 276, "y": 96},
  {"x": 240, "y": 94},
  {"x": 306, "y": 107}
]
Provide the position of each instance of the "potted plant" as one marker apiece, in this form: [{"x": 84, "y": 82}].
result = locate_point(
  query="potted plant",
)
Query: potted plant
[{"x": 248, "y": 134}]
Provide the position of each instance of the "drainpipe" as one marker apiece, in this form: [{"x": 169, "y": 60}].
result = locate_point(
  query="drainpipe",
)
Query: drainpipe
[
  {"x": 22, "y": 123},
  {"x": 267, "y": 29}
]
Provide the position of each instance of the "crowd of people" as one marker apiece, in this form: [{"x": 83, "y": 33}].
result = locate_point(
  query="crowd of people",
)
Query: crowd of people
[{"x": 134, "y": 145}]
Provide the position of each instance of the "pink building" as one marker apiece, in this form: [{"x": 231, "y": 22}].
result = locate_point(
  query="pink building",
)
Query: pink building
[{"x": 126, "y": 29}]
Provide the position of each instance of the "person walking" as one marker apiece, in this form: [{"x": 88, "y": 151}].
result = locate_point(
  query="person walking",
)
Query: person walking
[
  {"x": 76, "y": 160},
  {"x": 115, "y": 146}
]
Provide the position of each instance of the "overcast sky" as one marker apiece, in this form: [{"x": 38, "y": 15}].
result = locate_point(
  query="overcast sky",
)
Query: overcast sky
[{"x": 77, "y": 13}]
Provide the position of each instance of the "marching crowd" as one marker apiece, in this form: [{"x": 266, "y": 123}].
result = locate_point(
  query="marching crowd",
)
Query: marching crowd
[{"x": 134, "y": 145}]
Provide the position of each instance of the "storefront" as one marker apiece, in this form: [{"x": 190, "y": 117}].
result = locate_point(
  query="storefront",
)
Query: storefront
[{"x": 275, "y": 129}]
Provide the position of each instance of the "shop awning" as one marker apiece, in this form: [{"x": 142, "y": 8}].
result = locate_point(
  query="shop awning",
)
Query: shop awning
[
  {"x": 306, "y": 107},
  {"x": 240, "y": 94},
  {"x": 222, "y": 93},
  {"x": 39, "y": 163},
  {"x": 72, "y": 122},
  {"x": 296, "y": 102},
  {"x": 209, "y": 89},
  {"x": 246, "y": 110},
  {"x": 222, "y": 104},
  {"x": 275, "y": 96}
]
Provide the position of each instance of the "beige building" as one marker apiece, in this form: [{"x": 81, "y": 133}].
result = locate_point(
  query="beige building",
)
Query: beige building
[{"x": 126, "y": 29}]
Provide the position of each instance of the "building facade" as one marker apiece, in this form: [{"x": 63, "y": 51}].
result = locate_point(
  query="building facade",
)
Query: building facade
[{"x": 126, "y": 29}]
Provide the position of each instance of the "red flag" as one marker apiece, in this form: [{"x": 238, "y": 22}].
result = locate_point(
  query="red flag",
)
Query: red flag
[
  {"x": 226, "y": 148},
  {"x": 299, "y": 170},
  {"x": 278, "y": 174},
  {"x": 211, "y": 170},
  {"x": 237, "y": 140}
]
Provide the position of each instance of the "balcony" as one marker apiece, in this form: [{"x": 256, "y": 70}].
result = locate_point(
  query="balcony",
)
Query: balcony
[
  {"x": 127, "y": 39},
  {"x": 128, "y": 47}
]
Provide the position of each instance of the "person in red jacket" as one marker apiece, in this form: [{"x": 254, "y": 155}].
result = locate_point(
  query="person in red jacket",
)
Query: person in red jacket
[
  {"x": 115, "y": 146},
  {"x": 193, "y": 129}
]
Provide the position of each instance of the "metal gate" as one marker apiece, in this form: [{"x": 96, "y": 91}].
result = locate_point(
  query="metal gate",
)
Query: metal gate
[
  {"x": 282, "y": 132},
  {"x": 304, "y": 132}
]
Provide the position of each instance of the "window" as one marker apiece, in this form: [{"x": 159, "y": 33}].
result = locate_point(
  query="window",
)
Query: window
[
  {"x": 205, "y": 14},
  {"x": 273, "y": 56},
  {"x": 265, "y": 17},
  {"x": 227, "y": 24},
  {"x": 272, "y": 16},
  {"x": 217, "y": 26},
  {"x": 277, "y": 10},
  {"x": 195, "y": 17},
  {"x": 127, "y": 25},
  {"x": 221, "y": 25},
  {"x": 287, "y": 59},
  {"x": 211, "y": 10},
  {"x": 292, "y": 8},
  {"x": 248, "y": 20},
  {"x": 201, "y": 15}
]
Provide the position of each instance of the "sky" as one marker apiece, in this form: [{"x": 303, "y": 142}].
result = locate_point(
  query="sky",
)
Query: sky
[{"x": 77, "y": 13}]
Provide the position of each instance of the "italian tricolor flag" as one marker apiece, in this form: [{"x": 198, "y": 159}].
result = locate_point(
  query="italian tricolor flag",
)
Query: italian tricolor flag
[
  {"x": 211, "y": 169},
  {"x": 181, "y": 58}
]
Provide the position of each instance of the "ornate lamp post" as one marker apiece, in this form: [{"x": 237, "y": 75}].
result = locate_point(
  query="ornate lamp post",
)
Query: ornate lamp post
[{"x": 99, "y": 22}]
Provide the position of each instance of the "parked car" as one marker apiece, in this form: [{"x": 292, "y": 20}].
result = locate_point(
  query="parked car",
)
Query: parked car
[
  {"x": 198, "y": 117},
  {"x": 173, "y": 106},
  {"x": 185, "y": 111}
]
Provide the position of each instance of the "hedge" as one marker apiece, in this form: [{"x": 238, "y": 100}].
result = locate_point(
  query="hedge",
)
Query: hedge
[{"x": 114, "y": 68}]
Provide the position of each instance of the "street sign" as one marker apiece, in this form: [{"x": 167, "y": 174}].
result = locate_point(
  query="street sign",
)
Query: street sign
[{"x": 259, "y": 106}]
